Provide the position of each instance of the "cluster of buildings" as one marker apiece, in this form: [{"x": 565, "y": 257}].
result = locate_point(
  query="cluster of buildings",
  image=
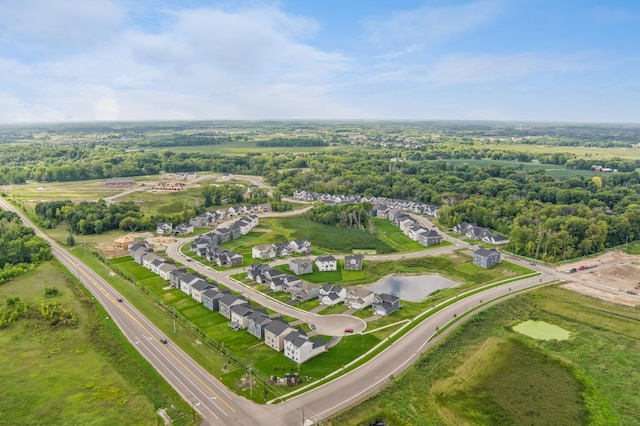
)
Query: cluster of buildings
[
  {"x": 210, "y": 219},
  {"x": 483, "y": 257},
  {"x": 170, "y": 186},
  {"x": 328, "y": 294},
  {"x": 391, "y": 203},
  {"x": 280, "y": 249},
  {"x": 479, "y": 233},
  {"x": 408, "y": 226},
  {"x": 387, "y": 208},
  {"x": 206, "y": 245},
  {"x": 275, "y": 332}
]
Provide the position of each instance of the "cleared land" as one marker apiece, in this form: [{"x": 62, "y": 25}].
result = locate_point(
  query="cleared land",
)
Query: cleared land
[{"x": 464, "y": 380}]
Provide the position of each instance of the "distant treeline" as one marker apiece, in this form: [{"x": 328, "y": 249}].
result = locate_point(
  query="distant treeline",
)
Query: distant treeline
[{"x": 290, "y": 142}]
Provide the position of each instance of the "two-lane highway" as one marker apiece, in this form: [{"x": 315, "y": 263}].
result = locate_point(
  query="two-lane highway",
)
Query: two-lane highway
[
  {"x": 217, "y": 405},
  {"x": 207, "y": 396}
]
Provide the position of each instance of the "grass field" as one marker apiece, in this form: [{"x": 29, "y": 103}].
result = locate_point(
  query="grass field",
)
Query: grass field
[
  {"x": 485, "y": 373},
  {"x": 154, "y": 202},
  {"x": 327, "y": 239},
  {"x": 58, "y": 376},
  {"x": 242, "y": 148},
  {"x": 557, "y": 171},
  {"x": 75, "y": 191}
]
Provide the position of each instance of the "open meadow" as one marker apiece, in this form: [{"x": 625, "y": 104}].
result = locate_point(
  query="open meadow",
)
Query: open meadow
[
  {"x": 486, "y": 373},
  {"x": 66, "y": 375}
]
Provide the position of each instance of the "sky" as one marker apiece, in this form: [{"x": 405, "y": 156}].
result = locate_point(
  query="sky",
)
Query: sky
[{"x": 127, "y": 60}]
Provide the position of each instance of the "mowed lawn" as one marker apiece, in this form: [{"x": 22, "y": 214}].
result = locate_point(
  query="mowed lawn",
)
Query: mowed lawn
[
  {"x": 55, "y": 376},
  {"x": 486, "y": 373}
]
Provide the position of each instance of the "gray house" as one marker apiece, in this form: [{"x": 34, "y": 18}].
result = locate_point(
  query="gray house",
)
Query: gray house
[
  {"x": 353, "y": 262},
  {"x": 256, "y": 322},
  {"x": 175, "y": 275},
  {"x": 429, "y": 238},
  {"x": 486, "y": 258},
  {"x": 211, "y": 298},
  {"x": 384, "y": 304},
  {"x": 227, "y": 301},
  {"x": 300, "y": 266}
]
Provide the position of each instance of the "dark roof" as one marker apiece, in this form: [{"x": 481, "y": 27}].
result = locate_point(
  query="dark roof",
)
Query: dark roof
[
  {"x": 277, "y": 326},
  {"x": 325, "y": 259},
  {"x": 242, "y": 310},
  {"x": 297, "y": 338},
  {"x": 385, "y": 297},
  {"x": 485, "y": 253},
  {"x": 318, "y": 342},
  {"x": 200, "y": 285}
]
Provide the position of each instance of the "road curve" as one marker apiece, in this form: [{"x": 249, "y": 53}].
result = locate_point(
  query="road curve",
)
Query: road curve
[{"x": 217, "y": 405}]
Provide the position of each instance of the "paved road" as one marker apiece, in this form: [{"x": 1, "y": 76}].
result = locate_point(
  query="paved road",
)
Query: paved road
[
  {"x": 207, "y": 395},
  {"x": 216, "y": 405}
]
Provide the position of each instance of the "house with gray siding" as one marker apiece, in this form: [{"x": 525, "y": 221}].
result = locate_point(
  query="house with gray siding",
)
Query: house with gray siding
[{"x": 486, "y": 258}]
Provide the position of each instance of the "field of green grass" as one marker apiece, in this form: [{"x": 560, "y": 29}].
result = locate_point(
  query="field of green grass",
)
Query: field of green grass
[
  {"x": 63, "y": 375},
  {"x": 75, "y": 191},
  {"x": 242, "y": 148},
  {"x": 157, "y": 202},
  {"x": 327, "y": 239},
  {"x": 486, "y": 373},
  {"x": 557, "y": 171}
]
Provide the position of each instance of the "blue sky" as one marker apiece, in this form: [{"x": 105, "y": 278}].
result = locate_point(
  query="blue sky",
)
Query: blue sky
[{"x": 523, "y": 60}]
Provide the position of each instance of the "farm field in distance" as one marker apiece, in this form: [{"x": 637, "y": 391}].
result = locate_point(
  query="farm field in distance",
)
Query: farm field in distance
[{"x": 486, "y": 373}]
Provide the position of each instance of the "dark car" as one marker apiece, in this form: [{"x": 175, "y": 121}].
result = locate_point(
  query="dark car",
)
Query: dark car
[
  {"x": 163, "y": 340},
  {"x": 348, "y": 330},
  {"x": 119, "y": 299}
]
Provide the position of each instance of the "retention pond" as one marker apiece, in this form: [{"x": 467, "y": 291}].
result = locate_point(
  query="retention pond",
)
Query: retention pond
[{"x": 414, "y": 288}]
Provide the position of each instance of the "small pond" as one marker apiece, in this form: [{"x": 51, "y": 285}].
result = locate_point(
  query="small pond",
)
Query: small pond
[
  {"x": 541, "y": 330},
  {"x": 414, "y": 288}
]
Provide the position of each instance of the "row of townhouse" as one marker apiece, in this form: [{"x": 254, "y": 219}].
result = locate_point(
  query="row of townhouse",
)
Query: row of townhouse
[
  {"x": 209, "y": 219},
  {"x": 275, "y": 332},
  {"x": 471, "y": 230},
  {"x": 280, "y": 249},
  {"x": 409, "y": 227},
  {"x": 206, "y": 245},
  {"x": 390, "y": 203}
]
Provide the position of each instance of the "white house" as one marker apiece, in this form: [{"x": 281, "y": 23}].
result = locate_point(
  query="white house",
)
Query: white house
[
  {"x": 326, "y": 263},
  {"x": 299, "y": 348}
]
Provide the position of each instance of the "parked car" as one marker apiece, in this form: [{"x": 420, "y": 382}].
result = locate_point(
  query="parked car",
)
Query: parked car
[
  {"x": 348, "y": 330},
  {"x": 571, "y": 271}
]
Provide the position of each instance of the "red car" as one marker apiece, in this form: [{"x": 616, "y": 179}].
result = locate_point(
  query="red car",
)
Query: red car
[{"x": 348, "y": 330}]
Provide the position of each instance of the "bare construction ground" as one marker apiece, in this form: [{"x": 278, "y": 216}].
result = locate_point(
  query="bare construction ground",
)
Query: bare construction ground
[{"x": 614, "y": 269}]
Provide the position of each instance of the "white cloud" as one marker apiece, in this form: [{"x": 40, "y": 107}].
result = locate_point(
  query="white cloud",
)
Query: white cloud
[
  {"x": 58, "y": 24},
  {"x": 202, "y": 63},
  {"x": 429, "y": 25},
  {"x": 460, "y": 69}
]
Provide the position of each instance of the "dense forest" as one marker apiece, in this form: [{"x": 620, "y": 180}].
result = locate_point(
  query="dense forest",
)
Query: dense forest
[
  {"x": 21, "y": 248},
  {"x": 97, "y": 217},
  {"x": 545, "y": 218}
]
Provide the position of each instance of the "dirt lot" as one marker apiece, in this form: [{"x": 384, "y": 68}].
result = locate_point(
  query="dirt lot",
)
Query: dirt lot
[{"x": 614, "y": 269}]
